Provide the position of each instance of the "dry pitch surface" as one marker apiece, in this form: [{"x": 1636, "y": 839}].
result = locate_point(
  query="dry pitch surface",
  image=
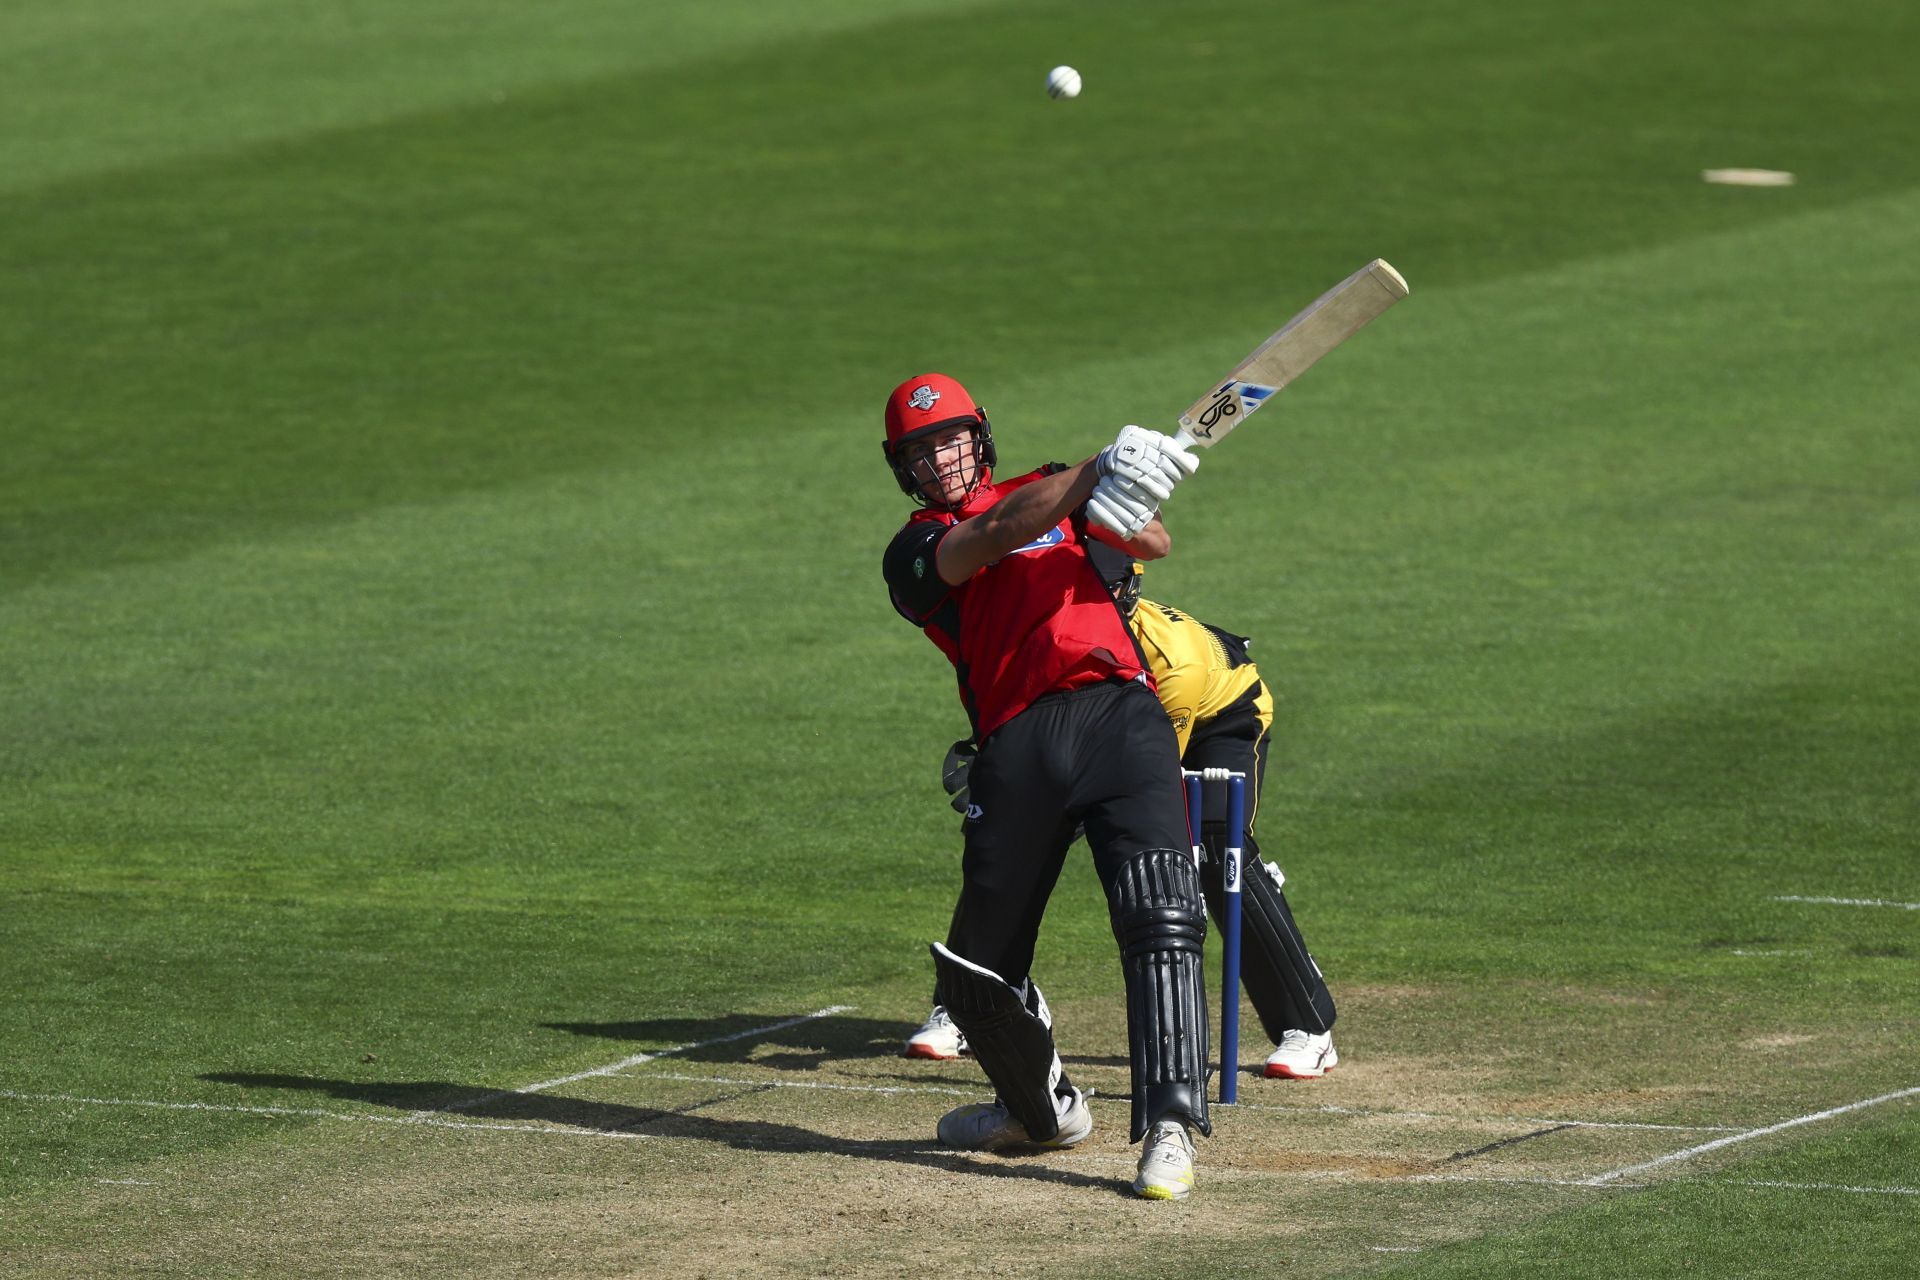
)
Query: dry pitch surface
[{"x": 803, "y": 1146}]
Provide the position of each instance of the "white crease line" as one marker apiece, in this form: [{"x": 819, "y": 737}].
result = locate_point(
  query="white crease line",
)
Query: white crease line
[
  {"x": 636, "y": 1060},
  {"x": 1851, "y": 902},
  {"x": 1828, "y": 1186},
  {"x": 811, "y": 1084},
  {"x": 1588, "y": 1184},
  {"x": 1523, "y": 1182},
  {"x": 1717, "y": 1143},
  {"x": 574, "y": 1131},
  {"x": 420, "y": 1118},
  {"x": 1430, "y": 1115},
  {"x": 1243, "y": 1106}
]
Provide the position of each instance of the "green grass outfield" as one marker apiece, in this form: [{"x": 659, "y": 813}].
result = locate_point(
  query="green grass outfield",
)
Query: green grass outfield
[{"x": 445, "y": 650}]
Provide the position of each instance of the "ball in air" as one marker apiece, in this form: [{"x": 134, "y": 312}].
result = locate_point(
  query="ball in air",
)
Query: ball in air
[{"x": 1063, "y": 82}]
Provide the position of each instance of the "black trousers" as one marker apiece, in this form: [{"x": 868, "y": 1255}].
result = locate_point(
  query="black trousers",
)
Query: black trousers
[{"x": 1104, "y": 755}]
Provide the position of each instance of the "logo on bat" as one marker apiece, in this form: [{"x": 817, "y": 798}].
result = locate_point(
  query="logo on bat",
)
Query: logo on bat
[
  {"x": 1223, "y": 406},
  {"x": 1231, "y": 399}
]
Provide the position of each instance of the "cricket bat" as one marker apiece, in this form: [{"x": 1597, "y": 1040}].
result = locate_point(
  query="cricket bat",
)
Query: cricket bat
[{"x": 1337, "y": 315}]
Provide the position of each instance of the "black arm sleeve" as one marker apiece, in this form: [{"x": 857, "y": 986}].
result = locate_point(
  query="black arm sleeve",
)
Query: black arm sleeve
[{"x": 913, "y": 579}]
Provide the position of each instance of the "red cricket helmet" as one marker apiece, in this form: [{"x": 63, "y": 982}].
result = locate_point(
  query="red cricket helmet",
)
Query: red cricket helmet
[{"x": 929, "y": 403}]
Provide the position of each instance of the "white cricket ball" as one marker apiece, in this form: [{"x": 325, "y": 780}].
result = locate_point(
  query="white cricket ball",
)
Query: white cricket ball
[{"x": 1063, "y": 82}]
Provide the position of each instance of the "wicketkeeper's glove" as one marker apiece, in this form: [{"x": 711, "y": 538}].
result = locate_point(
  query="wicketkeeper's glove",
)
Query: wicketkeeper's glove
[{"x": 953, "y": 771}]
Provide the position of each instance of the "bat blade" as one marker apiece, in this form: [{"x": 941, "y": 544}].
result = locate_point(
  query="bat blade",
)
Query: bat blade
[{"x": 1335, "y": 316}]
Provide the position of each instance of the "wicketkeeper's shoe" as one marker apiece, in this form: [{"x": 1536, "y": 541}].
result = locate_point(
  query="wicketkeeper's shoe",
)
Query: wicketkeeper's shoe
[
  {"x": 1166, "y": 1163},
  {"x": 1302, "y": 1055},
  {"x": 937, "y": 1038},
  {"x": 988, "y": 1126}
]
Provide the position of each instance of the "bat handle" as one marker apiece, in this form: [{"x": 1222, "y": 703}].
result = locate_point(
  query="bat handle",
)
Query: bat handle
[{"x": 1182, "y": 439}]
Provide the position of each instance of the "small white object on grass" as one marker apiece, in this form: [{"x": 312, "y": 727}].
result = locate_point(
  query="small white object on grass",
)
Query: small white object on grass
[
  {"x": 1063, "y": 82},
  {"x": 1748, "y": 177}
]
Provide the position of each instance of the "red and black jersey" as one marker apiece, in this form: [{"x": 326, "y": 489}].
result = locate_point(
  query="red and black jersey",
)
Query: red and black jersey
[{"x": 1037, "y": 620}]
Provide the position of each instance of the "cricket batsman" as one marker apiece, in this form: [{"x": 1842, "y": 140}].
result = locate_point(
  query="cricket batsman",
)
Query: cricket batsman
[{"x": 998, "y": 577}]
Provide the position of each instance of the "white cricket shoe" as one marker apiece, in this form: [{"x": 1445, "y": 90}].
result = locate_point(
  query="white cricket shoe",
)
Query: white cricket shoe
[
  {"x": 1302, "y": 1055},
  {"x": 988, "y": 1126},
  {"x": 1166, "y": 1163},
  {"x": 937, "y": 1038}
]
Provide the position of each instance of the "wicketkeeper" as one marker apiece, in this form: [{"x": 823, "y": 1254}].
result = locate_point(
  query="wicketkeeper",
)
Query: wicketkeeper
[
  {"x": 997, "y": 575},
  {"x": 1222, "y": 713}
]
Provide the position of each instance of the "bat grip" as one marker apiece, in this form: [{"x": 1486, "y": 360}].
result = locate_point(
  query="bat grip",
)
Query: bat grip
[{"x": 1182, "y": 439}]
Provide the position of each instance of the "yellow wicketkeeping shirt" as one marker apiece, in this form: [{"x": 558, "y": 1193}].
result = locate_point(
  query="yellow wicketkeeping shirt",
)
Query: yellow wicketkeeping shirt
[{"x": 1193, "y": 669}]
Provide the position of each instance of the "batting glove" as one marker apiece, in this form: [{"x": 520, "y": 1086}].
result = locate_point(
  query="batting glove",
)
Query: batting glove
[
  {"x": 1136, "y": 455},
  {"x": 1175, "y": 454},
  {"x": 1120, "y": 507}
]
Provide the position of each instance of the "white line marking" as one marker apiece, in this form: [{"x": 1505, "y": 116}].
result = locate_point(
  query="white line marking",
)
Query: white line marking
[
  {"x": 813, "y": 1084},
  {"x": 1523, "y": 1182},
  {"x": 1737, "y": 952},
  {"x": 1587, "y": 1184},
  {"x": 418, "y": 1118},
  {"x": 1717, "y": 1143},
  {"x": 425, "y": 1117},
  {"x": 1834, "y": 1186},
  {"x": 1851, "y": 902},
  {"x": 168, "y": 1106},
  {"x": 636, "y": 1060},
  {"x": 1244, "y": 1106},
  {"x": 1430, "y": 1115},
  {"x": 575, "y": 1131}
]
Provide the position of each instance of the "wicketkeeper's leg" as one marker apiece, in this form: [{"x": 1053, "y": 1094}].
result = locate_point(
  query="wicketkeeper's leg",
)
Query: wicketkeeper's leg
[
  {"x": 1281, "y": 979},
  {"x": 1276, "y": 969}
]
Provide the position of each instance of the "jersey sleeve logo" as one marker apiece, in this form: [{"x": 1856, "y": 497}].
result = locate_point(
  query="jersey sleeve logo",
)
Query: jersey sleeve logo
[{"x": 1051, "y": 538}]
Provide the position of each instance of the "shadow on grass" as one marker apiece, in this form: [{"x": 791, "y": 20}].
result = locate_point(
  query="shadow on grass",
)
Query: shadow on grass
[
  {"x": 804, "y": 1046},
  {"x": 449, "y": 1103},
  {"x": 1095, "y": 1060}
]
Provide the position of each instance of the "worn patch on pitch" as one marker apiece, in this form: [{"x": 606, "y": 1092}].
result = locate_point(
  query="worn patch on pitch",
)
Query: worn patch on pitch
[{"x": 1748, "y": 177}]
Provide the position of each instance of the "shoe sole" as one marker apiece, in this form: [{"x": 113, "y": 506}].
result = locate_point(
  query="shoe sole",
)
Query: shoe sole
[
  {"x": 1162, "y": 1191},
  {"x": 1279, "y": 1071},
  {"x": 1064, "y": 1139},
  {"x": 928, "y": 1052}
]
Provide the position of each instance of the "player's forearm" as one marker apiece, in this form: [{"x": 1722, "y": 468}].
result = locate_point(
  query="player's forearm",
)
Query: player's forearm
[
  {"x": 1153, "y": 543},
  {"x": 1031, "y": 510},
  {"x": 1013, "y": 522}
]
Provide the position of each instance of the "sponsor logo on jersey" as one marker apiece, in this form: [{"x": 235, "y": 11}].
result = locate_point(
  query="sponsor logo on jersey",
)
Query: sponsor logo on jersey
[
  {"x": 923, "y": 397},
  {"x": 920, "y": 566},
  {"x": 1051, "y": 538},
  {"x": 974, "y": 813}
]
